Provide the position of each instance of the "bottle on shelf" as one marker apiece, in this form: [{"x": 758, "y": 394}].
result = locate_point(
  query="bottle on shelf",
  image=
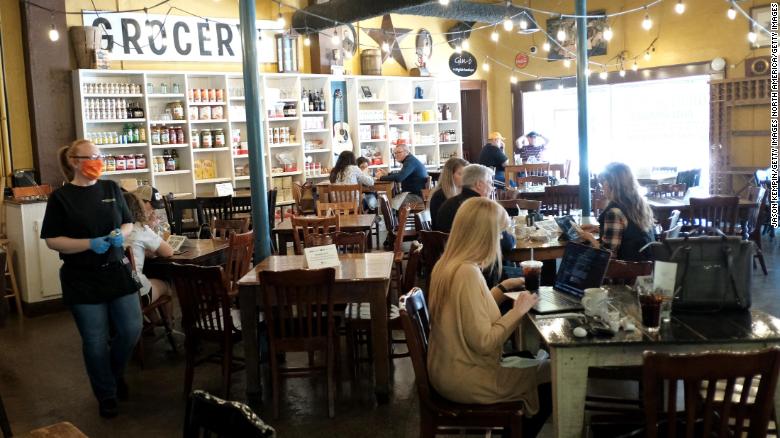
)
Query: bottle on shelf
[
  {"x": 175, "y": 158},
  {"x": 304, "y": 100},
  {"x": 311, "y": 101}
]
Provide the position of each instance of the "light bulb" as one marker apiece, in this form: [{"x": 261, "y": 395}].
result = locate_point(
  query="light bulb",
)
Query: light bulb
[
  {"x": 647, "y": 23},
  {"x": 603, "y": 75},
  {"x": 508, "y": 24},
  {"x": 538, "y": 86},
  {"x": 546, "y": 46},
  {"x": 513, "y": 79},
  {"x": 307, "y": 41},
  {"x": 608, "y": 33},
  {"x": 54, "y": 35},
  {"x": 561, "y": 35},
  {"x": 466, "y": 45},
  {"x": 458, "y": 49},
  {"x": 622, "y": 72},
  {"x": 560, "y": 86},
  {"x": 485, "y": 66},
  {"x": 335, "y": 39},
  {"x": 587, "y": 71},
  {"x": 679, "y": 7},
  {"x": 752, "y": 36},
  {"x": 444, "y": 2},
  {"x": 647, "y": 55},
  {"x": 635, "y": 66},
  {"x": 280, "y": 22},
  {"x": 732, "y": 13},
  {"x": 567, "y": 63},
  {"x": 385, "y": 47},
  {"x": 523, "y": 24}
]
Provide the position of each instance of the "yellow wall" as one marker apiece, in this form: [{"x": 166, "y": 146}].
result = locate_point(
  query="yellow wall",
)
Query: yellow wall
[{"x": 16, "y": 88}]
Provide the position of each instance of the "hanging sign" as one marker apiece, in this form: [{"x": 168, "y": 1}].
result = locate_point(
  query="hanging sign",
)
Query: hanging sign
[
  {"x": 463, "y": 64},
  {"x": 521, "y": 60},
  {"x": 140, "y": 37}
]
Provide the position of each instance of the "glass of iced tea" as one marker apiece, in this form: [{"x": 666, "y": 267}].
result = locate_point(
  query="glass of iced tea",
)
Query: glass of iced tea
[
  {"x": 532, "y": 272},
  {"x": 651, "y": 310}
]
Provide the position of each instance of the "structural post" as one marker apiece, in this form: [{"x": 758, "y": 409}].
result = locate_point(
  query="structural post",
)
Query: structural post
[
  {"x": 582, "y": 103},
  {"x": 254, "y": 133}
]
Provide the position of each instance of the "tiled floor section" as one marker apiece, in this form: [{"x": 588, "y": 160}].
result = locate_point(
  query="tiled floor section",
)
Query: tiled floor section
[{"x": 42, "y": 381}]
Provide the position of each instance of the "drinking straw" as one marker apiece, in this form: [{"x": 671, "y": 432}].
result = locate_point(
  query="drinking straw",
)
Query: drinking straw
[{"x": 532, "y": 254}]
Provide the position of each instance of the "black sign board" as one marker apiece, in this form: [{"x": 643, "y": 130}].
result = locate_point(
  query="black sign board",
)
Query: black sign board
[{"x": 463, "y": 64}]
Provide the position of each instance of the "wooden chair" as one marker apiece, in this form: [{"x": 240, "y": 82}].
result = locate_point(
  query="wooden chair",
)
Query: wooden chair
[
  {"x": 559, "y": 200},
  {"x": 625, "y": 272},
  {"x": 179, "y": 209},
  {"x": 312, "y": 240},
  {"x": 303, "y": 226},
  {"x": 294, "y": 302},
  {"x": 433, "y": 243},
  {"x": 717, "y": 211},
  {"x": 242, "y": 205},
  {"x": 511, "y": 205},
  {"x": 422, "y": 221},
  {"x": 239, "y": 259},
  {"x": 392, "y": 223},
  {"x": 223, "y": 228},
  {"x": 206, "y": 415},
  {"x": 338, "y": 208},
  {"x": 435, "y": 411},
  {"x": 10, "y": 288},
  {"x": 758, "y": 216},
  {"x": 350, "y": 243},
  {"x": 214, "y": 207},
  {"x": 342, "y": 193},
  {"x": 532, "y": 180}
]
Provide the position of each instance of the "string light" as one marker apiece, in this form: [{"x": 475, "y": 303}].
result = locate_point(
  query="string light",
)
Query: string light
[
  {"x": 513, "y": 79},
  {"x": 731, "y": 13},
  {"x": 647, "y": 55},
  {"x": 458, "y": 49},
  {"x": 466, "y": 45},
  {"x": 444, "y": 2},
  {"x": 523, "y": 23},
  {"x": 280, "y": 21},
  {"x": 561, "y": 35},
  {"x": 485, "y": 65},
  {"x": 385, "y": 47},
  {"x": 635, "y": 66},
  {"x": 494, "y": 36},
  {"x": 54, "y": 34},
  {"x": 603, "y": 75},
  {"x": 608, "y": 33},
  {"x": 335, "y": 39},
  {"x": 538, "y": 86},
  {"x": 679, "y": 7},
  {"x": 567, "y": 63},
  {"x": 508, "y": 24},
  {"x": 622, "y": 72},
  {"x": 546, "y": 46},
  {"x": 587, "y": 71},
  {"x": 752, "y": 37},
  {"x": 647, "y": 23}
]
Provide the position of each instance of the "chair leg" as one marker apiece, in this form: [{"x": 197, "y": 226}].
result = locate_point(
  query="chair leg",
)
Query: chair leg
[
  {"x": 760, "y": 257},
  {"x": 427, "y": 425},
  {"x": 168, "y": 330},
  {"x": 189, "y": 369},
  {"x": 227, "y": 360},
  {"x": 275, "y": 383},
  {"x": 17, "y": 296},
  {"x": 331, "y": 384}
]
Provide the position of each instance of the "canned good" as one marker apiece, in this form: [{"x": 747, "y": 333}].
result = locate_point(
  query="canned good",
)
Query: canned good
[
  {"x": 212, "y": 95},
  {"x": 204, "y": 113},
  {"x": 220, "y": 95},
  {"x": 204, "y": 95}
]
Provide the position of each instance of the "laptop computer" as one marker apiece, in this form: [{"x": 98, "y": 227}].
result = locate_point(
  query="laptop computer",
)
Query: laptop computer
[{"x": 582, "y": 267}]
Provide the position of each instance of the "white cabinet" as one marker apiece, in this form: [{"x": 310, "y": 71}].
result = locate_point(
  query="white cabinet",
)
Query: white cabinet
[{"x": 37, "y": 266}]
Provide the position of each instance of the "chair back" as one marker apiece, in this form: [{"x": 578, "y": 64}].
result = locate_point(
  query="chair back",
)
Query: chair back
[
  {"x": 412, "y": 267},
  {"x": 391, "y": 222},
  {"x": 758, "y": 217},
  {"x": 223, "y": 228},
  {"x": 417, "y": 329},
  {"x": 433, "y": 243},
  {"x": 625, "y": 272},
  {"x": 559, "y": 200},
  {"x": 729, "y": 375},
  {"x": 338, "y": 208},
  {"x": 239, "y": 258},
  {"x": 178, "y": 208},
  {"x": 304, "y": 225},
  {"x": 716, "y": 211},
  {"x": 215, "y": 207},
  {"x": 341, "y": 193},
  {"x": 558, "y": 170},
  {"x": 271, "y": 200},
  {"x": 598, "y": 203},
  {"x": 534, "y": 169},
  {"x": 298, "y": 307},
  {"x": 313, "y": 240},
  {"x": 243, "y": 204},
  {"x": 511, "y": 205},
  {"x": 350, "y": 243},
  {"x": 204, "y": 300},
  {"x": 403, "y": 214},
  {"x": 532, "y": 180},
  {"x": 209, "y": 416},
  {"x": 422, "y": 221},
  {"x": 667, "y": 191}
]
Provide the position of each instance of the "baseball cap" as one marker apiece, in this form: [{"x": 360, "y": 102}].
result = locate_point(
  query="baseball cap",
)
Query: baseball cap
[
  {"x": 532, "y": 134},
  {"x": 150, "y": 194},
  {"x": 496, "y": 134}
]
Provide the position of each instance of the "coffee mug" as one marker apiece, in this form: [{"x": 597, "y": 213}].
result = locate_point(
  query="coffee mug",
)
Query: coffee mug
[{"x": 595, "y": 301}]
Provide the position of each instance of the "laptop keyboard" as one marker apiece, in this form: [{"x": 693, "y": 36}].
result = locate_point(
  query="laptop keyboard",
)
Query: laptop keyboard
[{"x": 551, "y": 296}]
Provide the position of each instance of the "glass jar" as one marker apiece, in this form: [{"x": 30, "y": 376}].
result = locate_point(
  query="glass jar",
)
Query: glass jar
[
  {"x": 219, "y": 138},
  {"x": 140, "y": 161},
  {"x": 176, "y": 88},
  {"x": 130, "y": 162},
  {"x": 165, "y": 137},
  {"x": 180, "y": 136},
  {"x": 156, "y": 135},
  {"x": 110, "y": 163},
  {"x": 170, "y": 163},
  {"x": 212, "y": 95},
  {"x": 163, "y": 88},
  {"x": 172, "y": 138},
  {"x": 217, "y": 112},
  {"x": 205, "y": 138},
  {"x": 176, "y": 110},
  {"x": 194, "y": 139},
  {"x": 220, "y": 95},
  {"x": 120, "y": 163}
]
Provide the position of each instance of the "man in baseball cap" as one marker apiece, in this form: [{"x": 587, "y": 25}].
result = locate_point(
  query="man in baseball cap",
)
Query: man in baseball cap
[
  {"x": 492, "y": 155},
  {"x": 151, "y": 195}
]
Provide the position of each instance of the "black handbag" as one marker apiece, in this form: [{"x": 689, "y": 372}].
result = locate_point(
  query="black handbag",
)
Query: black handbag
[{"x": 713, "y": 272}]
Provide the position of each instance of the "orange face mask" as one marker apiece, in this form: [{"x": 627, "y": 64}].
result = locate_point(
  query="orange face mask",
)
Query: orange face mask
[{"x": 92, "y": 169}]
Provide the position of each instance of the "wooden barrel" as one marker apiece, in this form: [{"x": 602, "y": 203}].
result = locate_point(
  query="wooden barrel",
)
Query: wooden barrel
[
  {"x": 371, "y": 62},
  {"x": 85, "y": 40}
]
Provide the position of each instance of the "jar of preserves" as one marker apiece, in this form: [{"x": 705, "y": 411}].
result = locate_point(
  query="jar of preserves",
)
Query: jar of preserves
[
  {"x": 130, "y": 162},
  {"x": 156, "y": 135},
  {"x": 204, "y": 113},
  {"x": 165, "y": 137},
  {"x": 194, "y": 139},
  {"x": 120, "y": 163},
  {"x": 217, "y": 112},
  {"x": 204, "y": 95},
  {"x": 205, "y": 138},
  {"x": 172, "y": 138},
  {"x": 191, "y": 95},
  {"x": 170, "y": 163},
  {"x": 159, "y": 164},
  {"x": 180, "y": 136},
  {"x": 176, "y": 110},
  {"x": 219, "y": 138},
  {"x": 212, "y": 95},
  {"x": 110, "y": 163},
  {"x": 140, "y": 161},
  {"x": 220, "y": 95}
]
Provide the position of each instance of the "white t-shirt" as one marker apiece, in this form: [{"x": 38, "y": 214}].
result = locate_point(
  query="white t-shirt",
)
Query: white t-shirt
[{"x": 143, "y": 239}]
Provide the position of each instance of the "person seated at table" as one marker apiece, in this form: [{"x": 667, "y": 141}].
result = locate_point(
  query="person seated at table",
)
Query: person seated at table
[
  {"x": 363, "y": 163},
  {"x": 413, "y": 176},
  {"x": 146, "y": 243},
  {"x": 492, "y": 155},
  {"x": 450, "y": 184},
  {"x": 157, "y": 220},
  {"x": 468, "y": 332},
  {"x": 528, "y": 146},
  {"x": 346, "y": 171},
  {"x": 626, "y": 224}
]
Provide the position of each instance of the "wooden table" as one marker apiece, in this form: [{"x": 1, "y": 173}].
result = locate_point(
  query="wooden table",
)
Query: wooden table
[
  {"x": 662, "y": 207},
  {"x": 59, "y": 430},
  {"x": 349, "y": 223},
  {"x": 655, "y": 179},
  {"x": 205, "y": 252},
  {"x": 571, "y": 356},
  {"x": 361, "y": 278},
  {"x": 550, "y": 250}
]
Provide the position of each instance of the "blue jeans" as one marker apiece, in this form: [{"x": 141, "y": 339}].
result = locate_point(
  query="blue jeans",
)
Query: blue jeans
[{"x": 106, "y": 361}]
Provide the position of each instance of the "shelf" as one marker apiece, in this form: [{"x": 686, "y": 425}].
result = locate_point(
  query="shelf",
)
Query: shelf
[
  {"x": 173, "y": 172},
  {"x": 167, "y": 122},
  {"x": 209, "y": 121},
  {"x": 282, "y": 119},
  {"x": 315, "y": 113},
  {"x": 274, "y": 175},
  {"x": 211, "y": 181},
  {"x": 170, "y": 146},
  {"x": 242, "y": 178},
  {"x": 126, "y": 172},
  {"x": 284, "y": 145},
  {"x": 399, "y": 102},
  {"x": 448, "y": 103},
  {"x": 372, "y": 101},
  {"x": 206, "y": 103},
  {"x": 399, "y": 122},
  {"x": 372, "y": 122},
  {"x": 165, "y": 96},
  {"x": 90, "y": 96},
  {"x": 448, "y": 121},
  {"x": 316, "y": 151},
  {"x": 288, "y": 100},
  {"x": 116, "y": 121},
  {"x": 422, "y": 100},
  {"x": 120, "y": 146},
  {"x": 194, "y": 151},
  {"x": 279, "y": 204},
  {"x": 374, "y": 140},
  {"x": 448, "y": 142},
  {"x": 238, "y": 121},
  {"x": 315, "y": 131},
  {"x": 237, "y": 98},
  {"x": 240, "y": 156},
  {"x": 323, "y": 175},
  {"x": 424, "y": 145},
  {"x": 425, "y": 123}
]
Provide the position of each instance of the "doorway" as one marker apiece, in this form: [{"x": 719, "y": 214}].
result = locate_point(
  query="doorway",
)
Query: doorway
[{"x": 474, "y": 117}]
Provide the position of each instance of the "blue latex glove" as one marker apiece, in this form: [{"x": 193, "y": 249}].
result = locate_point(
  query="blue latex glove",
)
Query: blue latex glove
[
  {"x": 99, "y": 244},
  {"x": 116, "y": 238}
]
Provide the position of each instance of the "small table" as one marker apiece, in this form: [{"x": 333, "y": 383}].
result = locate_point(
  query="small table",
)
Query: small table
[
  {"x": 361, "y": 278},
  {"x": 550, "y": 250},
  {"x": 662, "y": 207},
  {"x": 685, "y": 333},
  {"x": 205, "y": 252},
  {"x": 349, "y": 223}
]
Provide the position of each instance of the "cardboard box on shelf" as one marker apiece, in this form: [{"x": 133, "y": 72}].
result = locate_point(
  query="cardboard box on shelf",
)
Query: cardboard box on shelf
[
  {"x": 198, "y": 168},
  {"x": 287, "y": 195},
  {"x": 286, "y": 182}
]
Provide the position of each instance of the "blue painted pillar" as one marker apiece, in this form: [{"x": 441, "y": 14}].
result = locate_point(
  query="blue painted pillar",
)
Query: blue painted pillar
[
  {"x": 254, "y": 132},
  {"x": 582, "y": 103}
]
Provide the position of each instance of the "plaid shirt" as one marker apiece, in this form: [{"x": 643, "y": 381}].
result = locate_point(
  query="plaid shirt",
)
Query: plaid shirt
[
  {"x": 611, "y": 232},
  {"x": 530, "y": 151}
]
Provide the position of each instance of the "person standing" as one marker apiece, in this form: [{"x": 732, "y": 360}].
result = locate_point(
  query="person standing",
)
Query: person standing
[
  {"x": 529, "y": 145},
  {"x": 492, "y": 155},
  {"x": 86, "y": 221}
]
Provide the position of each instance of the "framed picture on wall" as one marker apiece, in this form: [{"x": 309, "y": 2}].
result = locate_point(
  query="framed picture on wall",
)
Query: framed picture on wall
[
  {"x": 597, "y": 45},
  {"x": 366, "y": 91},
  {"x": 762, "y": 15}
]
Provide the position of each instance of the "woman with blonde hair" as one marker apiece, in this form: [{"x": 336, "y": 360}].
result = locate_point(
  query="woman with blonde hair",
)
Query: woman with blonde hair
[
  {"x": 468, "y": 332},
  {"x": 626, "y": 225},
  {"x": 450, "y": 184}
]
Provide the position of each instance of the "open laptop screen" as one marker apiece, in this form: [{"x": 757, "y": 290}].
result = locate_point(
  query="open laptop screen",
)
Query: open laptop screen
[{"x": 582, "y": 267}]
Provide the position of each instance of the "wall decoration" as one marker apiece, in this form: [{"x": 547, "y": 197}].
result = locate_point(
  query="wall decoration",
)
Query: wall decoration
[
  {"x": 348, "y": 40},
  {"x": 423, "y": 49},
  {"x": 463, "y": 64},
  {"x": 758, "y": 66},
  {"x": 597, "y": 45},
  {"x": 761, "y": 14},
  {"x": 521, "y": 60},
  {"x": 287, "y": 53},
  {"x": 393, "y": 37}
]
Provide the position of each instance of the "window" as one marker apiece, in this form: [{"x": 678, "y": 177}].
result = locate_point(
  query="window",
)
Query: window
[{"x": 644, "y": 124}]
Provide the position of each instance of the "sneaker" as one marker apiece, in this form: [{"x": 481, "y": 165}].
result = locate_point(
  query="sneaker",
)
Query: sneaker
[
  {"x": 122, "y": 393},
  {"x": 108, "y": 408}
]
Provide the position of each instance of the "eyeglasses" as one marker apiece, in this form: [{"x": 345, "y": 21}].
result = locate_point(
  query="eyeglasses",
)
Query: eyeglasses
[{"x": 88, "y": 157}]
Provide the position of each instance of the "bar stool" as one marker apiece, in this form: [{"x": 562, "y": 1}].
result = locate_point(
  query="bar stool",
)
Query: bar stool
[{"x": 9, "y": 273}]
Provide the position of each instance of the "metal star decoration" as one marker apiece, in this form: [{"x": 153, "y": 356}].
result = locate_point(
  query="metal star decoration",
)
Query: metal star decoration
[{"x": 392, "y": 36}]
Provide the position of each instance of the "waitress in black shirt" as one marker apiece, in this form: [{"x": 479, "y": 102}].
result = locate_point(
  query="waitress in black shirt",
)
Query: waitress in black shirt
[{"x": 86, "y": 221}]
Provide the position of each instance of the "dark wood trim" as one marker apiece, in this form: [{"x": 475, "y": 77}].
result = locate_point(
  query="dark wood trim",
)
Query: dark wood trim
[
  {"x": 43, "y": 307},
  {"x": 481, "y": 85},
  {"x": 518, "y": 128}
]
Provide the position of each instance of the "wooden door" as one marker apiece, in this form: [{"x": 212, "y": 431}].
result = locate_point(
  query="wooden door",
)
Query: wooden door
[{"x": 474, "y": 116}]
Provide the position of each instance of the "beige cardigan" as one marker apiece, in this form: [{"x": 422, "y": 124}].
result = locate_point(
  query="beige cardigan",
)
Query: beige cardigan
[{"x": 465, "y": 348}]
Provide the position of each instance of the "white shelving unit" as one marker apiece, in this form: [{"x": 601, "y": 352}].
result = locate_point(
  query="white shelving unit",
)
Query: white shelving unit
[{"x": 389, "y": 112}]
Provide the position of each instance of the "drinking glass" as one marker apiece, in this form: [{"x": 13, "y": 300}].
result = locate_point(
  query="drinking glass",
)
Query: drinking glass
[
  {"x": 651, "y": 311},
  {"x": 532, "y": 272}
]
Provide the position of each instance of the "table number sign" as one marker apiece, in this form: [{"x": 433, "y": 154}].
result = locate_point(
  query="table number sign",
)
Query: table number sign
[
  {"x": 224, "y": 189},
  {"x": 322, "y": 257}
]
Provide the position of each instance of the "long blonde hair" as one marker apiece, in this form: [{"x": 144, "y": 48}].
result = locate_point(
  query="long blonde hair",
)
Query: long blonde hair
[
  {"x": 446, "y": 181},
  {"x": 474, "y": 239},
  {"x": 624, "y": 191},
  {"x": 63, "y": 155}
]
